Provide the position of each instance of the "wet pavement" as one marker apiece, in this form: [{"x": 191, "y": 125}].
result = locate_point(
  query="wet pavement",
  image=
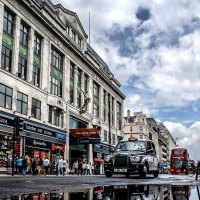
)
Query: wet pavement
[
  {"x": 119, "y": 192},
  {"x": 177, "y": 187}
]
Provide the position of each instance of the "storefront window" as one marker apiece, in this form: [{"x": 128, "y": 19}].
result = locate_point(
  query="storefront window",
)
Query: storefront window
[{"x": 6, "y": 152}]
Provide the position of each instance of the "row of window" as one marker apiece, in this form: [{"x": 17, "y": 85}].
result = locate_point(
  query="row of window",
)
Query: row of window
[
  {"x": 56, "y": 115},
  {"x": 106, "y": 138},
  {"x": 73, "y": 35},
  {"x": 6, "y": 97}
]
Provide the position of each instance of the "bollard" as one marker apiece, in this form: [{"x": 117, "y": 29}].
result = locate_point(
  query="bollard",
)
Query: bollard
[{"x": 197, "y": 170}]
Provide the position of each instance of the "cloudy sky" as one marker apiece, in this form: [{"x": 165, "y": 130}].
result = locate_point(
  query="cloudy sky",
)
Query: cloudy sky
[{"x": 153, "y": 48}]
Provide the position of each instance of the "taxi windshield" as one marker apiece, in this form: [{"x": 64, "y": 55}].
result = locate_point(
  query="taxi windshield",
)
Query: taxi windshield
[{"x": 131, "y": 146}]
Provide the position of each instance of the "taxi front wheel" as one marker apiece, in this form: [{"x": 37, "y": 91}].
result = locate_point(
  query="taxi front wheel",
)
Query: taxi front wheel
[{"x": 108, "y": 174}]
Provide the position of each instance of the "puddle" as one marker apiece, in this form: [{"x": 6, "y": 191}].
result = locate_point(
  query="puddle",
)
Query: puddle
[{"x": 118, "y": 192}]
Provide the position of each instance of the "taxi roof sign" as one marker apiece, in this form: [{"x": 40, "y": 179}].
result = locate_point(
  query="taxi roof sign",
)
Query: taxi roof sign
[{"x": 132, "y": 138}]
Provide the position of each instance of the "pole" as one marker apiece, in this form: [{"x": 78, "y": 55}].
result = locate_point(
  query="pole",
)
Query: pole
[
  {"x": 13, "y": 147},
  {"x": 109, "y": 124},
  {"x": 89, "y": 27}
]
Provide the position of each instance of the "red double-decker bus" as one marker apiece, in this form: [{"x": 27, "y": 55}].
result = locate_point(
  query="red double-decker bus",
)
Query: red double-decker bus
[{"x": 179, "y": 161}]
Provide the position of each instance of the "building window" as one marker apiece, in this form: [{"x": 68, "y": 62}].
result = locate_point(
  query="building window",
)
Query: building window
[
  {"x": 150, "y": 136},
  {"x": 119, "y": 116},
  {"x": 22, "y": 68},
  {"x": 36, "y": 76},
  {"x": 37, "y": 45},
  {"x": 104, "y": 107},
  {"x": 22, "y": 103},
  {"x": 6, "y": 96},
  {"x": 24, "y": 35},
  {"x": 105, "y": 136},
  {"x": 36, "y": 108},
  {"x": 141, "y": 136},
  {"x": 71, "y": 83},
  {"x": 113, "y": 139},
  {"x": 108, "y": 107},
  {"x": 36, "y": 61},
  {"x": 73, "y": 36},
  {"x": 56, "y": 116},
  {"x": 96, "y": 100},
  {"x": 79, "y": 89},
  {"x": 6, "y": 58},
  {"x": 56, "y": 87},
  {"x": 56, "y": 59},
  {"x": 67, "y": 29},
  {"x": 131, "y": 129},
  {"x": 56, "y": 73},
  {"x": 8, "y": 22},
  {"x": 79, "y": 41}
]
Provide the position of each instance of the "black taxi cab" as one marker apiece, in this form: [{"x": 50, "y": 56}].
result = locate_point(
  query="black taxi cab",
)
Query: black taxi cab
[{"x": 132, "y": 156}]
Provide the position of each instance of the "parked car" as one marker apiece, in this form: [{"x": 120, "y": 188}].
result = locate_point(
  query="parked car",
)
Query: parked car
[{"x": 132, "y": 156}]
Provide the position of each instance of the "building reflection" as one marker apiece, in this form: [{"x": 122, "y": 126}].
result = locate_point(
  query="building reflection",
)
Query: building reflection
[{"x": 118, "y": 192}]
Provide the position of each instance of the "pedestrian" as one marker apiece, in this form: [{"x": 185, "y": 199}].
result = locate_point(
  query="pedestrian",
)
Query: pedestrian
[
  {"x": 80, "y": 167},
  {"x": 84, "y": 168},
  {"x": 28, "y": 163},
  {"x": 24, "y": 166},
  {"x": 88, "y": 168},
  {"x": 75, "y": 167},
  {"x": 19, "y": 165},
  {"x": 60, "y": 166},
  {"x": 46, "y": 164},
  {"x": 33, "y": 166},
  {"x": 64, "y": 167},
  {"x": 92, "y": 168}
]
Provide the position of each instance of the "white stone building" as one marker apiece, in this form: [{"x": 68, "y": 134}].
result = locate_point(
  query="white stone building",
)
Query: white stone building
[{"x": 48, "y": 72}]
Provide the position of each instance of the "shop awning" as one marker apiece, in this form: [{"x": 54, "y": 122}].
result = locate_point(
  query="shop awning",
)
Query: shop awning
[{"x": 85, "y": 133}]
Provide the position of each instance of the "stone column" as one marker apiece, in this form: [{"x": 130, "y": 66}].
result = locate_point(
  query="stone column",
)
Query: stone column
[
  {"x": 1, "y": 25},
  {"x": 75, "y": 85},
  {"x": 64, "y": 83},
  {"x": 82, "y": 87},
  {"x": 16, "y": 41},
  {"x": 30, "y": 54},
  {"x": 67, "y": 80},
  {"x": 45, "y": 64},
  {"x": 101, "y": 103},
  {"x": 90, "y": 94}
]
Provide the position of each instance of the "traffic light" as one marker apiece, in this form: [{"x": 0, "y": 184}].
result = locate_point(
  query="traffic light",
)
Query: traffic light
[{"x": 19, "y": 125}]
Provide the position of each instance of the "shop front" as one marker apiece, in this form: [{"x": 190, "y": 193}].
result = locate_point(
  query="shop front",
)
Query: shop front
[
  {"x": 80, "y": 138},
  {"x": 6, "y": 142},
  {"x": 43, "y": 141}
]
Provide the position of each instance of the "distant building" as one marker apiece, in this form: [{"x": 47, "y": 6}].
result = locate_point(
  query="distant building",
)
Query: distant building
[
  {"x": 140, "y": 127},
  {"x": 170, "y": 141}
]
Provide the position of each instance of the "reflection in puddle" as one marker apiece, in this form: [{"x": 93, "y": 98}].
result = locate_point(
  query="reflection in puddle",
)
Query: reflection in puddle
[{"x": 119, "y": 192}]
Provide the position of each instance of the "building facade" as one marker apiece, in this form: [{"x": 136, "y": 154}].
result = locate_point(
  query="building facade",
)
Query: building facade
[
  {"x": 53, "y": 79},
  {"x": 169, "y": 140}
]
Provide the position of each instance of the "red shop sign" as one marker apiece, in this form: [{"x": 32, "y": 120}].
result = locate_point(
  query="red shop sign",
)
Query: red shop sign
[
  {"x": 63, "y": 149},
  {"x": 53, "y": 147}
]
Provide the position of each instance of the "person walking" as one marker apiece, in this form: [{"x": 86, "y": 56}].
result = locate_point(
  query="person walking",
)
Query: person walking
[
  {"x": 60, "y": 166},
  {"x": 46, "y": 164},
  {"x": 33, "y": 166},
  {"x": 24, "y": 166},
  {"x": 19, "y": 165},
  {"x": 80, "y": 167},
  {"x": 84, "y": 168},
  {"x": 75, "y": 166}
]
